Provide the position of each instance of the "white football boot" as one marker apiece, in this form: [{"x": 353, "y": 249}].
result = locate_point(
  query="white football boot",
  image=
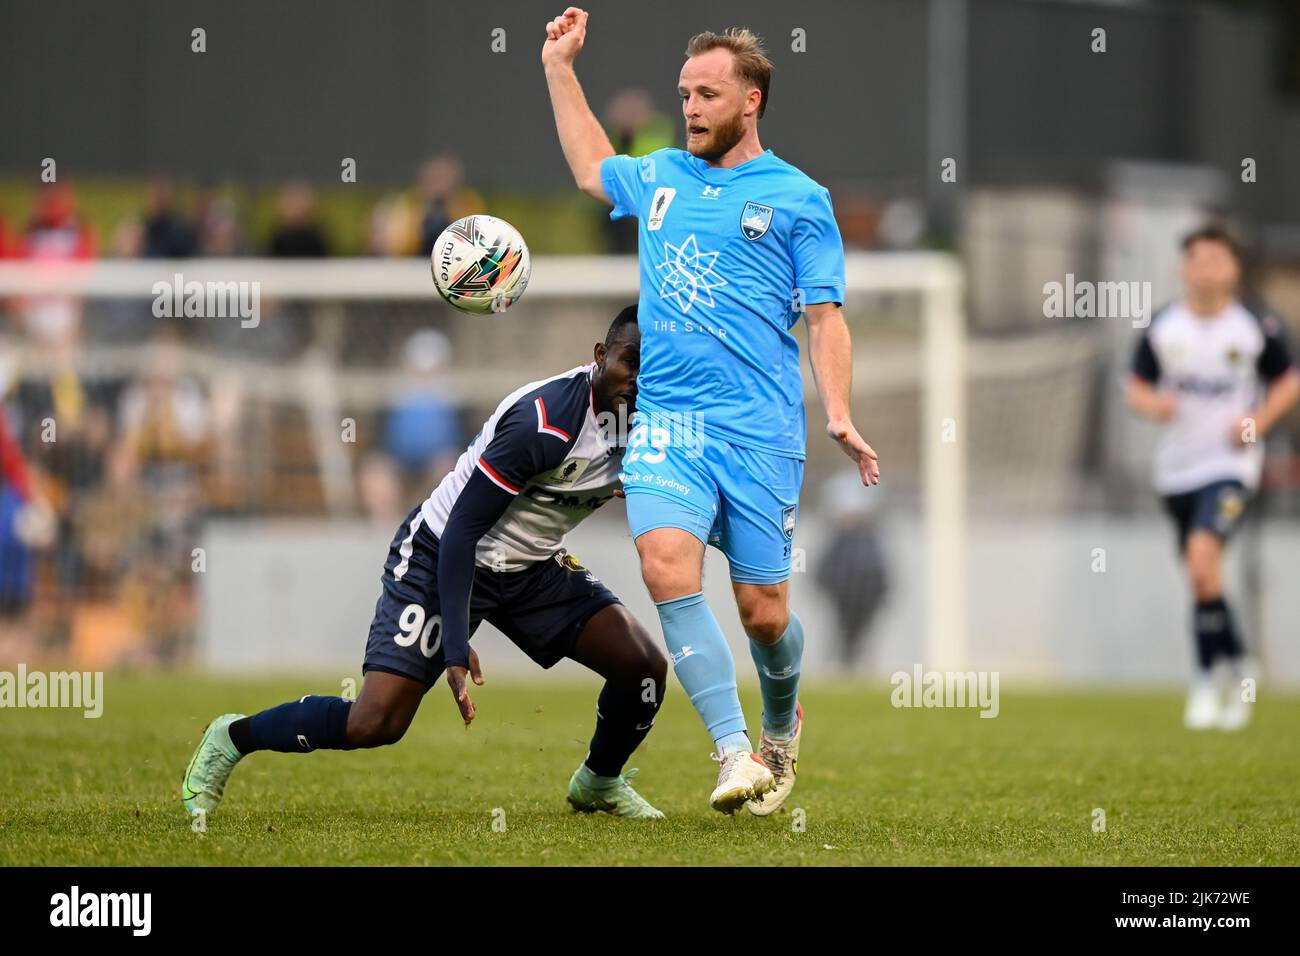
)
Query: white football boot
[
  {"x": 204, "y": 782},
  {"x": 1202, "y": 712},
  {"x": 1236, "y": 712},
  {"x": 743, "y": 776},
  {"x": 782, "y": 758}
]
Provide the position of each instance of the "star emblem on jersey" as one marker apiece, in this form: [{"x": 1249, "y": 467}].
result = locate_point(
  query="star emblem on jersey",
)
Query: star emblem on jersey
[
  {"x": 755, "y": 219},
  {"x": 689, "y": 277}
]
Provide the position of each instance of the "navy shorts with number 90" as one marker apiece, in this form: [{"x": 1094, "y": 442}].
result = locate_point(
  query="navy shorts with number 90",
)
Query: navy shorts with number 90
[{"x": 542, "y": 609}]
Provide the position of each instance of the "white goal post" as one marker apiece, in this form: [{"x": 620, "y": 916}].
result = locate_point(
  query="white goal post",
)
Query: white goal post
[{"x": 936, "y": 279}]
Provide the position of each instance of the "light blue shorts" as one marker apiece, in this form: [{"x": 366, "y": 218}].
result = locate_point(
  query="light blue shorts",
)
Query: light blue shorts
[{"x": 743, "y": 501}]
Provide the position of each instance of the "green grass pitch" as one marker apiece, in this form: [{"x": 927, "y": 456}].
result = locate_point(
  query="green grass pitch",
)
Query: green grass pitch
[{"x": 878, "y": 785}]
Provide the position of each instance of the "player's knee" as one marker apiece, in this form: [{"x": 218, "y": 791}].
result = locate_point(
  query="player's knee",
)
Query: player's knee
[
  {"x": 649, "y": 662},
  {"x": 374, "y": 727},
  {"x": 1203, "y": 567},
  {"x": 642, "y": 664},
  {"x": 1206, "y": 585},
  {"x": 765, "y": 621},
  {"x": 667, "y": 577}
]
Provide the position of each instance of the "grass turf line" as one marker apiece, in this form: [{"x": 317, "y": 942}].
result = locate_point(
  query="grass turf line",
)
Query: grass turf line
[{"x": 877, "y": 785}]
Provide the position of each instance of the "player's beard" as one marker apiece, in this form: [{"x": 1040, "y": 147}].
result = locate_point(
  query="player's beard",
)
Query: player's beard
[{"x": 722, "y": 138}]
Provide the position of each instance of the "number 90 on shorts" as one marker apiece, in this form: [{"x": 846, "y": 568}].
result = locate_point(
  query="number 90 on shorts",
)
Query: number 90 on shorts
[{"x": 413, "y": 627}]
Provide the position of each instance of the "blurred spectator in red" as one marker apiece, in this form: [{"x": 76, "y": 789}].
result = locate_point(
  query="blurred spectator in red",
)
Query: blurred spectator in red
[
  {"x": 55, "y": 234},
  {"x": 298, "y": 233},
  {"x": 56, "y": 230},
  {"x": 167, "y": 234},
  {"x": 8, "y": 241}
]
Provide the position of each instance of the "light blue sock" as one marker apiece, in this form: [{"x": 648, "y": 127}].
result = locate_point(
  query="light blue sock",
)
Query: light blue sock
[
  {"x": 704, "y": 666},
  {"x": 778, "y": 678}
]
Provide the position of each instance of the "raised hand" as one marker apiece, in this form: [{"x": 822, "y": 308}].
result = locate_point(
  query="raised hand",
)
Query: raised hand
[{"x": 564, "y": 37}]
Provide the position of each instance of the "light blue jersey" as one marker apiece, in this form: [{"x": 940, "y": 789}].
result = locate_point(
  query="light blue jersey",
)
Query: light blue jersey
[{"x": 728, "y": 259}]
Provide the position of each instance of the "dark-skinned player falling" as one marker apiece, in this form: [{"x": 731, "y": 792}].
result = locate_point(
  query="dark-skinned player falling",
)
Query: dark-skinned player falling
[{"x": 487, "y": 544}]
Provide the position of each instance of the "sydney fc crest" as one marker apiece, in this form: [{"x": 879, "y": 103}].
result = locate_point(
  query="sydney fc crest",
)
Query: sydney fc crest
[
  {"x": 754, "y": 220},
  {"x": 787, "y": 521}
]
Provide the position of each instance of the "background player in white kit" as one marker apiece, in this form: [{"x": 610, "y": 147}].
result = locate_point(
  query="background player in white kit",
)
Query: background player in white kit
[{"x": 1218, "y": 376}]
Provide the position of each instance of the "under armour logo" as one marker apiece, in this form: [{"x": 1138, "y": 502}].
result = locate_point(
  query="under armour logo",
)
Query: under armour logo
[{"x": 711, "y": 192}]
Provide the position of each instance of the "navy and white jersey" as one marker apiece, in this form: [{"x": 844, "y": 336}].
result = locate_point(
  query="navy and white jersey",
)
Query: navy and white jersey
[
  {"x": 1217, "y": 366},
  {"x": 544, "y": 447}
]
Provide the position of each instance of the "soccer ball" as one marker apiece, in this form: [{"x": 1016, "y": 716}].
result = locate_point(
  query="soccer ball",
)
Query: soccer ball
[{"x": 480, "y": 264}]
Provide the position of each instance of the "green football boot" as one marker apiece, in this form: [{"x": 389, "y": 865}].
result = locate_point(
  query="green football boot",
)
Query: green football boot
[
  {"x": 611, "y": 795},
  {"x": 205, "y": 778}
]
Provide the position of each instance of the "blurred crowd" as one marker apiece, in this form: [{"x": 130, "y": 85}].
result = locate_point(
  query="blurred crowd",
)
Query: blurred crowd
[
  {"x": 212, "y": 220},
  {"x": 122, "y": 433},
  {"x": 116, "y": 443},
  {"x": 177, "y": 220},
  {"x": 109, "y": 470}
]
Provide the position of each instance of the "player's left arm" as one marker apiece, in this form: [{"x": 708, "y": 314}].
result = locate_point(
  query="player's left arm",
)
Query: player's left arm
[
  {"x": 478, "y": 507},
  {"x": 523, "y": 445},
  {"x": 1277, "y": 368},
  {"x": 1282, "y": 395},
  {"x": 818, "y": 256},
  {"x": 830, "y": 351}
]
